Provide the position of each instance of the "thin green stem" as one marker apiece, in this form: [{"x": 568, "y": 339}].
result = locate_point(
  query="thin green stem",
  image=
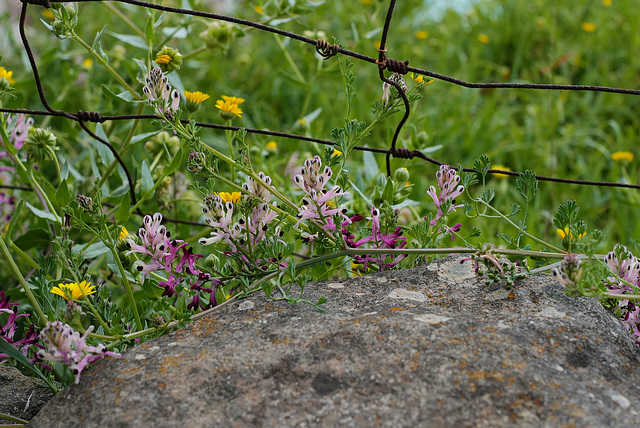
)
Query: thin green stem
[
  {"x": 106, "y": 65},
  {"x": 125, "y": 19},
  {"x": 520, "y": 230},
  {"x": 18, "y": 275},
  {"x": 12, "y": 419},
  {"x": 290, "y": 60},
  {"x": 127, "y": 286}
]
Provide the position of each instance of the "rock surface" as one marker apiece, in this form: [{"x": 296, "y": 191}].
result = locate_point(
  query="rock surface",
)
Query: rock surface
[
  {"x": 429, "y": 346},
  {"x": 21, "y": 396}
]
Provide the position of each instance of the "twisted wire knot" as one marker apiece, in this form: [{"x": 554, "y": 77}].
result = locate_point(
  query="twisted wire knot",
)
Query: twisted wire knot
[
  {"x": 44, "y": 3},
  {"x": 396, "y": 66},
  {"x": 325, "y": 50},
  {"x": 402, "y": 153},
  {"x": 90, "y": 116}
]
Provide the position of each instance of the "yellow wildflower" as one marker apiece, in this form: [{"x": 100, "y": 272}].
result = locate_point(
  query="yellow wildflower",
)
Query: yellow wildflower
[
  {"x": 73, "y": 291},
  {"x": 564, "y": 233},
  {"x": 123, "y": 233},
  {"x": 230, "y": 197},
  {"x": 163, "y": 59},
  {"x": 228, "y": 109},
  {"x": 503, "y": 168},
  {"x": 271, "y": 145},
  {"x": 367, "y": 2},
  {"x": 4, "y": 74},
  {"x": 233, "y": 100},
  {"x": 87, "y": 64},
  {"x": 606, "y": 2},
  {"x": 418, "y": 78},
  {"x": 196, "y": 97},
  {"x": 258, "y": 10},
  {"x": 422, "y": 34},
  {"x": 377, "y": 44},
  {"x": 588, "y": 27},
  {"x": 483, "y": 38},
  {"x": 336, "y": 153},
  {"x": 622, "y": 156}
]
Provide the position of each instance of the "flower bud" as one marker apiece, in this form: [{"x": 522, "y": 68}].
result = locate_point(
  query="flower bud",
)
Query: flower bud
[
  {"x": 39, "y": 144},
  {"x": 211, "y": 261},
  {"x": 401, "y": 175},
  {"x": 195, "y": 161},
  {"x": 168, "y": 59},
  {"x": 219, "y": 35},
  {"x": 85, "y": 202}
]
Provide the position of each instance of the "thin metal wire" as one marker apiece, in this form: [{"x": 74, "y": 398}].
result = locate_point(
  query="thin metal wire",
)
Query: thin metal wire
[{"x": 382, "y": 61}]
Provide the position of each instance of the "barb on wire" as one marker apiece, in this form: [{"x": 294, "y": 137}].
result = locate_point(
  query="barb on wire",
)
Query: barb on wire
[
  {"x": 325, "y": 50},
  {"x": 383, "y": 62}
]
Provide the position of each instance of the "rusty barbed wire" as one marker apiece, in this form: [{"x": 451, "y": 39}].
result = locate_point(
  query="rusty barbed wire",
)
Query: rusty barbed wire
[{"x": 325, "y": 50}]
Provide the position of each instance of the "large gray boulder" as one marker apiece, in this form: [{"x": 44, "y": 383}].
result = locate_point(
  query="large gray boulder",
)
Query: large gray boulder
[{"x": 429, "y": 346}]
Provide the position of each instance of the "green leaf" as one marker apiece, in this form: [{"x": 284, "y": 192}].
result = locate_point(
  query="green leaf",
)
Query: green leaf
[
  {"x": 146, "y": 179},
  {"x": 7, "y": 348},
  {"x": 33, "y": 238},
  {"x": 143, "y": 137},
  {"x": 97, "y": 44},
  {"x": 42, "y": 214},
  {"x": 129, "y": 39},
  {"x": 103, "y": 151},
  {"x": 148, "y": 31},
  {"x": 178, "y": 160},
  {"x": 371, "y": 168},
  {"x": 92, "y": 251},
  {"x": 122, "y": 96},
  {"x": 15, "y": 217},
  {"x": 62, "y": 194},
  {"x": 122, "y": 213}
]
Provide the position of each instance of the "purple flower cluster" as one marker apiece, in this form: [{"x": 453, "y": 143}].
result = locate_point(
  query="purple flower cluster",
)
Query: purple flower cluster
[
  {"x": 317, "y": 204},
  {"x": 174, "y": 257},
  {"x": 19, "y": 130},
  {"x": 448, "y": 182},
  {"x": 159, "y": 93},
  {"x": 8, "y": 330},
  {"x": 64, "y": 344},
  {"x": 377, "y": 239},
  {"x": 624, "y": 264},
  {"x": 243, "y": 233}
]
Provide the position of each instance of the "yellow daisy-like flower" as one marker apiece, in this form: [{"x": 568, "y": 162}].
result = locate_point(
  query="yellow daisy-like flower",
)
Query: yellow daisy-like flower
[
  {"x": 163, "y": 59},
  {"x": 230, "y": 197},
  {"x": 73, "y": 291},
  {"x": 4, "y": 74},
  {"x": 87, "y": 64},
  {"x": 422, "y": 34},
  {"x": 564, "y": 233},
  {"x": 233, "y": 100},
  {"x": 123, "y": 234},
  {"x": 503, "y": 168},
  {"x": 228, "y": 110},
  {"x": 195, "y": 97},
  {"x": 483, "y": 38},
  {"x": 622, "y": 156},
  {"x": 271, "y": 145},
  {"x": 588, "y": 27}
]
